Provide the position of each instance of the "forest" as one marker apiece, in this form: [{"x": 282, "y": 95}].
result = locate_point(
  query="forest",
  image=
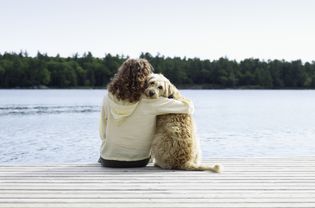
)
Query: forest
[{"x": 19, "y": 70}]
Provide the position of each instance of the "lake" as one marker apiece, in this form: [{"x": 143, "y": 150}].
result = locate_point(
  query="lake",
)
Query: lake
[{"x": 61, "y": 126}]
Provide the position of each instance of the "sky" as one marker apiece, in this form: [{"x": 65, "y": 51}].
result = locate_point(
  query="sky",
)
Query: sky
[{"x": 207, "y": 29}]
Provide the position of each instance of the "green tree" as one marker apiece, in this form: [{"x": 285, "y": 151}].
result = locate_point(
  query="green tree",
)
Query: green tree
[{"x": 21, "y": 70}]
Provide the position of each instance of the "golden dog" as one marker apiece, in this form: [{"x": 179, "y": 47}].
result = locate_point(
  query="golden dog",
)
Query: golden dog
[{"x": 174, "y": 145}]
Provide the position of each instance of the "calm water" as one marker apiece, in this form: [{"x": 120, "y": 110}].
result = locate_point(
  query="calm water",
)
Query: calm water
[{"x": 61, "y": 126}]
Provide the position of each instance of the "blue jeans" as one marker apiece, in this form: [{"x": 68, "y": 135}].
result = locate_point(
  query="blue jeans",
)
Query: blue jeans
[{"x": 123, "y": 164}]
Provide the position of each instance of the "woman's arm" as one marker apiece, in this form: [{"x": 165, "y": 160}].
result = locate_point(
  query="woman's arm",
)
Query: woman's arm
[
  {"x": 103, "y": 121},
  {"x": 163, "y": 105}
]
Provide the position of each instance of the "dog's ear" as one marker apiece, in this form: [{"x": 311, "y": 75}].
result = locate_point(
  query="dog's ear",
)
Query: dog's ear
[
  {"x": 166, "y": 89},
  {"x": 173, "y": 91}
]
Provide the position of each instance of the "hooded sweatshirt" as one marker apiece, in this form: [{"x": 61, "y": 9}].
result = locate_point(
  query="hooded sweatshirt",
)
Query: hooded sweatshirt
[{"x": 127, "y": 129}]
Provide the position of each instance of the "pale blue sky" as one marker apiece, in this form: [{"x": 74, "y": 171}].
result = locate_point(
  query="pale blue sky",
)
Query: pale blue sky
[{"x": 208, "y": 29}]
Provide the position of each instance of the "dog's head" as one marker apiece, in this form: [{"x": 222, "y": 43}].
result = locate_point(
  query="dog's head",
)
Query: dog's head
[{"x": 160, "y": 86}]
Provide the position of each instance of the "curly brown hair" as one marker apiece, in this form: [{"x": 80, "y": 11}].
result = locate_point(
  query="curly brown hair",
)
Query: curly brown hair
[{"x": 131, "y": 80}]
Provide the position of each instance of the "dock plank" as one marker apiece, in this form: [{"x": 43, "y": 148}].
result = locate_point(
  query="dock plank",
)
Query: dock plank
[{"x": 244, "y": 182}]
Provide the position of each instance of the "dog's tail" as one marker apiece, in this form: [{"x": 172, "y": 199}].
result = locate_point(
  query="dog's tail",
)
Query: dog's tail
[{"x": 195, "y": 167}]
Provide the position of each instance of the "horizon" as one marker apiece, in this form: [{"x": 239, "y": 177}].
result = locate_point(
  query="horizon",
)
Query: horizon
[
  {"x": 201, "y": 29},
  {"x": 153, "y": 55}
]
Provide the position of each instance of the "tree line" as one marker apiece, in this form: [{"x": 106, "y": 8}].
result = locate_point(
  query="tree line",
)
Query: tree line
[{"x": 19, "y": 70}]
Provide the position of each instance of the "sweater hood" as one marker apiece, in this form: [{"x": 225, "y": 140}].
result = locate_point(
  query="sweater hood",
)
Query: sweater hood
[{"x": 120, "y": 109}]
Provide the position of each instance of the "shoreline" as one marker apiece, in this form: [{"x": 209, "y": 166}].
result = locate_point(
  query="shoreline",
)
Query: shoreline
[{"x": 180, "y": 88}]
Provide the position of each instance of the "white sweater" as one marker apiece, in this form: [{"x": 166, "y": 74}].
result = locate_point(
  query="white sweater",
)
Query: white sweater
[{"x": 127, "y": 129}]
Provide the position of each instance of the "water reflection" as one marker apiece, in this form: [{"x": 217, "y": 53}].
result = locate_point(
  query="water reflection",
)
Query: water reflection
[{"x": 28, "y": 110}]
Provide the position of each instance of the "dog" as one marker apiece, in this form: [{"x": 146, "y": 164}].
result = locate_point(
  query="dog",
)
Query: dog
[{"x": 174, "y": 145}]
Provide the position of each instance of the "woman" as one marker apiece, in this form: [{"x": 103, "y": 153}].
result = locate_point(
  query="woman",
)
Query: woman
[{"x": 128, "y": 119}]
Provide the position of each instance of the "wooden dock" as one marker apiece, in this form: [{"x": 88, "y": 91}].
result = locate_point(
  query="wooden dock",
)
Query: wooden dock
[{"x": 252, "y": 182}]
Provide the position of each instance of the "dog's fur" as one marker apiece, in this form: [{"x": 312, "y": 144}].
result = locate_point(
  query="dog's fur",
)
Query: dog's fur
[{"x": 175, "y": 145}]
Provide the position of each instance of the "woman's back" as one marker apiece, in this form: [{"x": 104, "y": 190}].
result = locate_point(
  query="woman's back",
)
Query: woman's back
[{"x": 131, "y": 126}]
